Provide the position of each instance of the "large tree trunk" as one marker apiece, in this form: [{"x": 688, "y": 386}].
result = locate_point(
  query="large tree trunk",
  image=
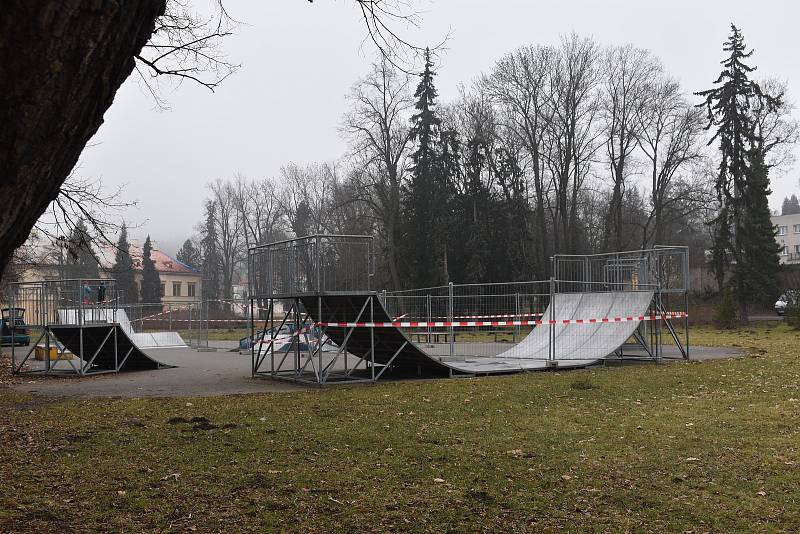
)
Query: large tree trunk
[{"x": 61, "y": 63}]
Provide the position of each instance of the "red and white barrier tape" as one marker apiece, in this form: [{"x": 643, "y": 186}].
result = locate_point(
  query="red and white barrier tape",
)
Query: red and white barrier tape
[
  {"x": 502, "y": 316},
  {"x": 444, "y": 324}
]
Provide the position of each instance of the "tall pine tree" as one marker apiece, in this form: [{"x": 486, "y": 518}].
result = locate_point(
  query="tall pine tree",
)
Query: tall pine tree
[
  {"x": 742, "y": 183},
  {"x": 124, "y": 270},
  {"x": 212, "y": 273},
  {"x": 151, "y": 281},
  {"x": 756, "y": 274},
  {"x": 427, "y": 194},
  {"x": 791, "y": 206},
  {"x": 81, "y": 261},
  {"x": 189, "y": 255}
]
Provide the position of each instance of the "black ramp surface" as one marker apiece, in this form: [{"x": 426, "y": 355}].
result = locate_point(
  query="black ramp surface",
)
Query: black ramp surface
[
  {"x": 346, "y": 308},
  {"x": 93, "y": 339}
]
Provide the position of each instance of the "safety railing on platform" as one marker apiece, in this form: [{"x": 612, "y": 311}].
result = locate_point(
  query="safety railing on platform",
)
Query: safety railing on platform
[{"x": 312, "y": 264}]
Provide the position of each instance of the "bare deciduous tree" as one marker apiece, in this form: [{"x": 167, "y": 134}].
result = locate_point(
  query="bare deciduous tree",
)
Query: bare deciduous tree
[
  {"x": 260, "y": 210},
  {"x": 571, "y": 136},
  {"x": 519, "y": 83},
  {"x": 777, "y": 129},
  {"x": 626, "y": 79},
  {"x": 376, "y": 125},
  {"x": 229, "y": 233},
  {"x": 669, "y": 137},
  {"x": 186, "y": 46}
]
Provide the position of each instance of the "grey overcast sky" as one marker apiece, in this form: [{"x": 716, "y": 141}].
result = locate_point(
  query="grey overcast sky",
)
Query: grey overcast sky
[{"x": 299, "y": 59}]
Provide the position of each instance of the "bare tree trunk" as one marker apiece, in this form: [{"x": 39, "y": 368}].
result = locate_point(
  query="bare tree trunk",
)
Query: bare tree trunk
[{"x": 61, "y": 63}]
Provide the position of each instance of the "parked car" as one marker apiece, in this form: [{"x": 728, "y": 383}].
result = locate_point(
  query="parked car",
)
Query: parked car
[
  {"x": 18, "y": 335},
  {"x": 789, "y": 297}
]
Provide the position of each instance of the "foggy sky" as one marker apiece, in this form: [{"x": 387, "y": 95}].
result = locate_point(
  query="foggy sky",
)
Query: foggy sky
[{"x": 299, "y": 60}]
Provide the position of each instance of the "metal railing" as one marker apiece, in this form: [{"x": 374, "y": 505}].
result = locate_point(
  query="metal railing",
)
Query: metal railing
[{"x": 311, "y": 264}]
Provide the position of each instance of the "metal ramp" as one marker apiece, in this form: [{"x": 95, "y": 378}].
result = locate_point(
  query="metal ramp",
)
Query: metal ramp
[
  {"x": 588, "y": 341},
  {"x": 559, "y": 345}
]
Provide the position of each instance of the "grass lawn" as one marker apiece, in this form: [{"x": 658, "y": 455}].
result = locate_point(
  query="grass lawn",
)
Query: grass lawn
[
  {"x": 697, "y": 447},
  {"x": 219, "y": 334}
]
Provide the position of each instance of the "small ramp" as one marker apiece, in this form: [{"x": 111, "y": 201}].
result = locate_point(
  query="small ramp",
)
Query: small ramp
[{"x": 105, "y": 347}]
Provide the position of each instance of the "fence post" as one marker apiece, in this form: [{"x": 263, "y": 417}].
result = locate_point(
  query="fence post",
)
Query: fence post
[
  {"x": 450, "y": 318},
  {"x": 552, "y": 336},
  {"x": 429, "y": 319},
  {"x": 517, "y": 316},
  {"x": 169, "y": 308}
]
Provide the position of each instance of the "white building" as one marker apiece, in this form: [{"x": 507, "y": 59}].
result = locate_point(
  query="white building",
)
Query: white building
[{"x": 788, "y": 237}]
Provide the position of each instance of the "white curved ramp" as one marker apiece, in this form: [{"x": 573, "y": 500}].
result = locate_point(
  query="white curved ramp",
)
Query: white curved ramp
[
  {"x": 584, "y": 342},
  {"x": 142, "y": 340}
]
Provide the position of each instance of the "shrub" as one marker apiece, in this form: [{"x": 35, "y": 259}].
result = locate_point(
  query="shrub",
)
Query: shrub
[
  {"x": 793, "y": 311},
  {"x": 726, "y": 312}
]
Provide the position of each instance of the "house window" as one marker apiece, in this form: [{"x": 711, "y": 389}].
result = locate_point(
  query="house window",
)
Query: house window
[
  {"x": 163, "y": 290},
  {"x": 796, "y": 228},
  {"x": 190, "y": 289},
  {"x": 785, "y": 250},
  {"x": 176, "y": 289},
  {"x": 782, "y": 230},
  {"x": 797, "y": 249}
]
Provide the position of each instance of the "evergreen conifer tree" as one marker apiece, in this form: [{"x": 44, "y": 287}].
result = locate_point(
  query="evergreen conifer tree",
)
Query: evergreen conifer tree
[
  {"x": 81, "y": 261},
  {"x": 124, "y": 271},
  {"x": 427, "y": 195},
  {"x": 791, "y": 206},
  {"x": 189, "y": 255},
  {"x": 212, "y": 275},
  {"x": 742, "y": 182},
  {"x": 756, "y": 274},
  {"x": 151, "y": 281}
]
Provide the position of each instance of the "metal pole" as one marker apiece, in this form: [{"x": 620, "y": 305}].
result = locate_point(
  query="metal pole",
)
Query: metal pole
[
  {"x": 450, "y": 317},
  {"x": 686, "y": 320},
  {"x": 271, "y": 312},
  {"x": 552, "y": 336},
  {"x": 316, "y": 261},
  {"x": 116, "y": 355},
  {"x": 252, "y": 337},
  {"x": 296, "y": 337},
  {"x": 191, "y": 330},
  {"x": 13, "y": 301},
  {"x": 517, "y": 316},
  {"x": 586, "y": 286},
  {"x": 318, "y": 330},
  {"x": 169, "y": 307},
  {"x": 429, "y": 319},
  {"x": 44, "y": 325},
  {"x": 372, "y": 338}
]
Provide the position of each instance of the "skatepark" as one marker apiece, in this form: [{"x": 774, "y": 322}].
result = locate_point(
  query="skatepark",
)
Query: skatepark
[{"x": 597, "y": 310}]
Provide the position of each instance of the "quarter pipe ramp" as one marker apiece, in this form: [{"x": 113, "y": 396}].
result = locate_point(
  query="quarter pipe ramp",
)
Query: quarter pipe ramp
[{"x": 97, "y": 345}]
